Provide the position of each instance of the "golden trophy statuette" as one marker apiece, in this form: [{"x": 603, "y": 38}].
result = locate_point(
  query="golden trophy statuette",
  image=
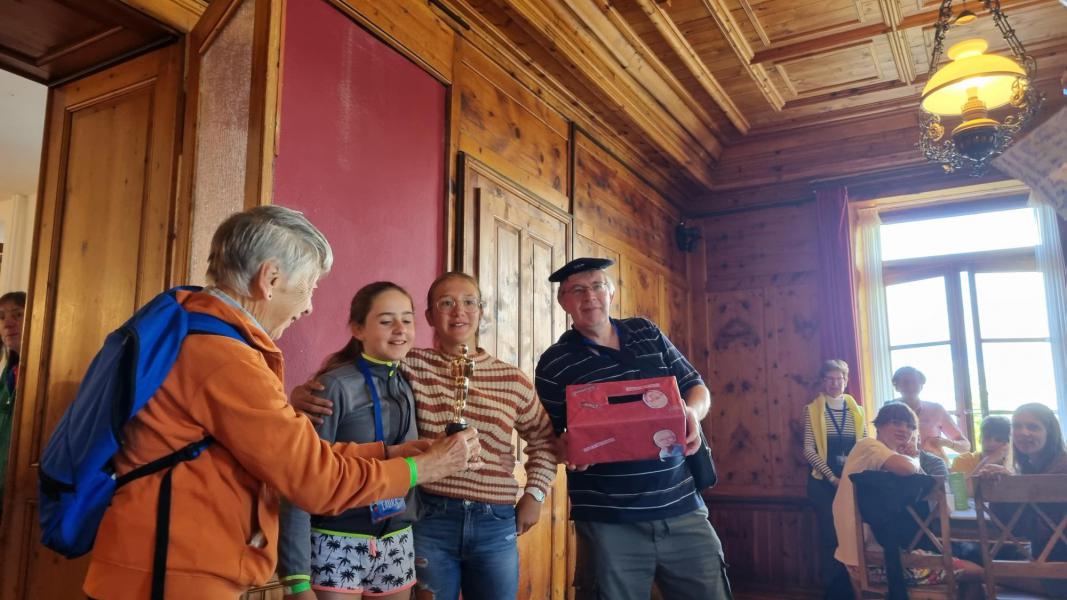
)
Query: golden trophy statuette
[{"x": 462, "y": 371}]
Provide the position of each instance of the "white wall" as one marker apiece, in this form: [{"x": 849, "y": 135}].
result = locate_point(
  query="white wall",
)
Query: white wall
[
  {"x": 16, "y": 228},
  {"x": 22, "y": 108}
]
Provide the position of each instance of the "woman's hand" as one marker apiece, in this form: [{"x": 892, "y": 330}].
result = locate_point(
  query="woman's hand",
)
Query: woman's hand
[
  {"x": 450, "y": 455},
  {"x": 412, "y": 448},
  {"x": 527, "y": 512},
  {"x": 305, "y": 401},
  {"x": 910, "y": 447},
  {"x": 991, "y": 470}
]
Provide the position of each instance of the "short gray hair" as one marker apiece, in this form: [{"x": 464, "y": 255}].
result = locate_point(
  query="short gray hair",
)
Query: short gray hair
[{"x": 247, "y": 239}]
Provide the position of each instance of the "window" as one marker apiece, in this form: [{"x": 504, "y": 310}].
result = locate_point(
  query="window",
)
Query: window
[{"x": 966, "y": 304}]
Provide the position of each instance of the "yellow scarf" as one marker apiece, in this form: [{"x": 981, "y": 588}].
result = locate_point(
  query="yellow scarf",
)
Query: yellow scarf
[{"x": 817, "y": 414}]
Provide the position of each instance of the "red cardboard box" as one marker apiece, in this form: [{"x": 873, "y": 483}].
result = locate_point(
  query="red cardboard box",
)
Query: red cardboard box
[{"x": 616, "y": 421}]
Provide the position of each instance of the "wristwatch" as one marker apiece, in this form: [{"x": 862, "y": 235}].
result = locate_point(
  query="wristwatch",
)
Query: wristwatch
[{"x": 537, "y": 494}]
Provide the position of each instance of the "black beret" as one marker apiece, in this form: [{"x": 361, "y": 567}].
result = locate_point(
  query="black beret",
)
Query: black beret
[{"x": 578, "y": 265}]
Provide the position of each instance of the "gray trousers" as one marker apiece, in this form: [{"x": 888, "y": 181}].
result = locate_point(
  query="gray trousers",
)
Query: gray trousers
[{"x": 619, "y": 561}]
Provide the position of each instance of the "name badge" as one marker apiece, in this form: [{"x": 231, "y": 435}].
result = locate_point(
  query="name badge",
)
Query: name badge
[{"x": 385, "y": 509}]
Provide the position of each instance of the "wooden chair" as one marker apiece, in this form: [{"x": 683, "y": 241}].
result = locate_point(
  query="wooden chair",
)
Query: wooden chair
[
  {"x": 1026, "y": 494},
  {"x": 926, "y": 534}
]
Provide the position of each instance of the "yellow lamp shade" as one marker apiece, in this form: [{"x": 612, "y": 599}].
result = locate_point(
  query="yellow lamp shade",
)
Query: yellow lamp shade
[{"x": 993, "y": 76}]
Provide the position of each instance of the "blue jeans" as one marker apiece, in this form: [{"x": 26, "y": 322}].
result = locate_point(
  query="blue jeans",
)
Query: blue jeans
[{"x": 460, "y": 544}]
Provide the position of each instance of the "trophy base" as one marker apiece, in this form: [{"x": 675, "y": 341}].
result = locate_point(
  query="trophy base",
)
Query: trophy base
[{"x": 454, "y": 428}]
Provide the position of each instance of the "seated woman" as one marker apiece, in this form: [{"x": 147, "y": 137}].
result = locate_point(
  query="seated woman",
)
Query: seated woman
[
  {"x": 893, "y": 449},
  {"x": 937, "y": 430},
  {"x": 362, "y": 551},
  {"x": 1038, "y": 445},
  {"x": 833, "y": 423},
  {"x": 996, "y": 449}
]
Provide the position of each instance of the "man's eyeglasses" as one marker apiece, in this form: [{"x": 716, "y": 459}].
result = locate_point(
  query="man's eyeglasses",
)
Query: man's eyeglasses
[
  {"x": 447, "y": 303},
  {"x": 578, "y": 291}
]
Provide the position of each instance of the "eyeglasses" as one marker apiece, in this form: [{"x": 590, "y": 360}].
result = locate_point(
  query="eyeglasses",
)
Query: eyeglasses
[
  {"x": 835, "y": 379},
  {"x": 447, "y": 304},
  {"x": 578, "y": 291}
]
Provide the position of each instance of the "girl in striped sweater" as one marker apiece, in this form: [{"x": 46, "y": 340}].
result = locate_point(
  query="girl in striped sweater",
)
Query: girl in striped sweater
[{"x": 465, "y": 538}]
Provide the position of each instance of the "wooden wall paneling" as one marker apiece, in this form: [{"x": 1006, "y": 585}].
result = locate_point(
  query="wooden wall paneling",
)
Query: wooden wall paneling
[
  {"x": 615, "y": 207},
  {"x": 677, "y": 320},
  {"x": 765, "y": 243},
  {"x": 768, "y": 544},
  {"x": 507, "y": 127},
  {"x": 641, "y": 291},
  {"x": 760, "y": 302},
  {"x": 537, "y": 69},
  {"x": 738, "y": 378},
  {"x": 792, "y": 335},
  {"x": 101, "y": 251},
  {"x": 585, "y": 55}
]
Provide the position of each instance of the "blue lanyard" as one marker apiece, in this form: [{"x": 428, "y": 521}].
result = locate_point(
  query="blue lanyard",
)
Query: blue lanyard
[
  {"x": 833, "y": 419},
  {"x": 364, "y": 368}
]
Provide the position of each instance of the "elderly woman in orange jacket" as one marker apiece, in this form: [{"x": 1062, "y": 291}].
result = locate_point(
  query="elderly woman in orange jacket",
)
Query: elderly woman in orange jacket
[
  {"x": 264, "y": 264},
  {"x": 833, "y": 423}
]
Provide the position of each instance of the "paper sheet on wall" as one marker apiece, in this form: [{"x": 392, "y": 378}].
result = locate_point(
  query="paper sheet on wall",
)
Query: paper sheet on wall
[{"x": 1039, "y": 160}]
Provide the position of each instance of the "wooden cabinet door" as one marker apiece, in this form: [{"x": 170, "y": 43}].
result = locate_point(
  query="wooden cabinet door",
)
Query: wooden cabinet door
[
  {"x": 101, "y": 249},
  {"x": 518, "y": 241}
]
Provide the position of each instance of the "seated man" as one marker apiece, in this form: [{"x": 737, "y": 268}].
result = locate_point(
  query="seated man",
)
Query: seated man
[{"x": 894, "y": 449}]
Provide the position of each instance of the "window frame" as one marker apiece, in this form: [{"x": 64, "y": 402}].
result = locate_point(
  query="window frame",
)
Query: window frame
[{"x": 950, "y": 267}]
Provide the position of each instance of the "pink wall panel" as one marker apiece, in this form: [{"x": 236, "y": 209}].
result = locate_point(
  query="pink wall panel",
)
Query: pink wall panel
[{"x": 361, "y": 153}]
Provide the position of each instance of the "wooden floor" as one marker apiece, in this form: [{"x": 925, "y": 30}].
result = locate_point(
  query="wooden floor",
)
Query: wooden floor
[{"x": 750, "y": 594}]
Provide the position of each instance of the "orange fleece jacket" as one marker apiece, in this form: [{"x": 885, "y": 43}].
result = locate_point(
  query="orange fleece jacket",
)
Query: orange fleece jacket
[{"x": 224, "y": 507}]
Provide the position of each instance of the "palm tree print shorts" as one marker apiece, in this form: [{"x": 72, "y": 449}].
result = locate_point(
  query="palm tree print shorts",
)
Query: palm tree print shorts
[{"x": 362, "y": 564}]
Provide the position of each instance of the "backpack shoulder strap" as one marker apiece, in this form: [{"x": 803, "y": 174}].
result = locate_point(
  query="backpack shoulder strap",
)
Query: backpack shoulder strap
[{"x": 205, "y": 324}]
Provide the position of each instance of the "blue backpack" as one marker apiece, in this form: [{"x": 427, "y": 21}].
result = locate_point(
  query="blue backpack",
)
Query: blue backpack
[{"x": 77, "y": 474}]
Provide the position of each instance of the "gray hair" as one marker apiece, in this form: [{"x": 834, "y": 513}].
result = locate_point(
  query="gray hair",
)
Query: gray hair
[{"x": 247, "y": 239}]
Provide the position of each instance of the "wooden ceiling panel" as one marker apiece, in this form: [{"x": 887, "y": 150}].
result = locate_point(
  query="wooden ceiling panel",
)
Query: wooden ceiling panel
[
  {"x": 57, "y": 39},
  {"x": 784, "y": 22},
  {"x": 1037, "y": 26},
  {"x": 826, "y": 72},
  {"x": 914, "y": 7},
  {"x": 686, "y": 78}
]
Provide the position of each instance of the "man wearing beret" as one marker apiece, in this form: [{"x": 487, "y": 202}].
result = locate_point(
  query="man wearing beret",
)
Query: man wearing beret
[{"x": 636, "y": 521}]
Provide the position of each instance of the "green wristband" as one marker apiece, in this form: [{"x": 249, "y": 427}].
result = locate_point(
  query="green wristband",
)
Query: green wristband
[
  {"x": 303, "y": 586},
  {"x": 413, "y": 469}
]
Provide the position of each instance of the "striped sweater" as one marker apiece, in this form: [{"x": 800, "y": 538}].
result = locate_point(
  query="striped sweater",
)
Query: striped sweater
[{"x": 501, "y": 400}]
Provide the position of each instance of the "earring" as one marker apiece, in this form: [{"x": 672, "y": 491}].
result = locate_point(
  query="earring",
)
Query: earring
[{"x": 269, "y": 296}]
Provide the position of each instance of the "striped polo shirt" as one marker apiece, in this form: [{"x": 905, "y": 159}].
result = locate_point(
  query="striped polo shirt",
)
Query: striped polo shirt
[{"x": 629, "y": 491}]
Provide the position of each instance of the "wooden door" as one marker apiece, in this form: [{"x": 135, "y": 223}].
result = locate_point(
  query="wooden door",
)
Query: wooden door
[
  {"x": 518, "y": 241},
  {"x": 101, "y": 249}
]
